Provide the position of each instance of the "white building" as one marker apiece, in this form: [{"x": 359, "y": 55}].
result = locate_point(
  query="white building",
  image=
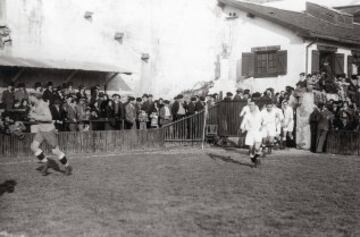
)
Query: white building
[
  {"x": 270, "y": 47},
  {"x": 156, "y": 46},
  {"x": 180, "y": 38}
]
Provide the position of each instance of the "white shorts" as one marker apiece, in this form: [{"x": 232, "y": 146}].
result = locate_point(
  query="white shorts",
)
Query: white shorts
[
  {"x": 269, "y": 131},
  {"x": 252, "y": 138}
]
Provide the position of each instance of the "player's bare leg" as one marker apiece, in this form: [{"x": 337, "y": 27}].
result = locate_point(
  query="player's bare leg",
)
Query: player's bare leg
[
  {"x": 255, "y": 154},
  {"x": 35, "y": 147},
  {"x": 63, "y": 160}
]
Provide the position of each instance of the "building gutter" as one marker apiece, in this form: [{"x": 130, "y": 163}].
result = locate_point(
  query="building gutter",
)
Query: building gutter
[{"x": 307, "y": 55}]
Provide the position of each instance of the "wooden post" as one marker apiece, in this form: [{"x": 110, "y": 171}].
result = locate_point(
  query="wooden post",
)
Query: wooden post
[{"x": 204, "y": 127}]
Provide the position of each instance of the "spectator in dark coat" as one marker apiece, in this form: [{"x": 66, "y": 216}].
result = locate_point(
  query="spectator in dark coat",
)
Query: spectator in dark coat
[
  {"x": 48, "y": 95},
  {"x": 58, "y": 115},
  {"x": 190, "y": 107},
  {"x": 200, "y": 104},
  {"x": 70, "y": 113},
  {"x": 239, "y": 95},
  {"x": 314, "y": 121},
  {"x": 8, "y": 97},
  {"x": 228, "y": 97},
  {"x": 178, "y": 109},
  {"x": 323, "y": 127},
  {"x": 119, "y": 111},
  {"x": 130, "y": 117}
]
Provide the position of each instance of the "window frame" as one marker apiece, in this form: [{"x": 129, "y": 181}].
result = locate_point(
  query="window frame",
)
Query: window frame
[{"x": 268, "y": 73}]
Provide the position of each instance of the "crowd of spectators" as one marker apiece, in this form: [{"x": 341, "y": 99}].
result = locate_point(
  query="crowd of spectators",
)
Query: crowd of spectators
[{"x": 84, "y": 109}]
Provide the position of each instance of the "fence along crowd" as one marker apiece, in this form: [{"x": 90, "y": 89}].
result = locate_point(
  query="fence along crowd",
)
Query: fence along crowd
[
  {"x": 90, "y": 109},
  {"x": 334, "y": 107}
]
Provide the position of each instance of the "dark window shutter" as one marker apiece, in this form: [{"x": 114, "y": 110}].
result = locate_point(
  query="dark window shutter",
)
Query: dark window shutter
[
  {"x": 282, "y": 62},
  {"x": 248, "y": 67},
  {"x": 349, "y": 66},
  {"x": 238, "y": 70},
  {"x": 315, "y": 61},
  {"x": 339, "y": 63}
]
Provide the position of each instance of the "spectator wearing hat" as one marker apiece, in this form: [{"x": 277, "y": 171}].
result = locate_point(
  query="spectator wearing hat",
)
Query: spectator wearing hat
[
  {"x": 239, "y": 95},
  {"x": 179, "y": 108},
  {"x": 58, "y": 115},
  {"x": 21, "y": 92},
  {"x": 228, "y": 97},
  {"x": 8, "y": 97},
  {"x": 130, "y": 114},
  {"x": 48, "y": 95}
]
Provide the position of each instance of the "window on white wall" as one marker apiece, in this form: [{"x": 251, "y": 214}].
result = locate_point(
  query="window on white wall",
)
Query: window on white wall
[{"x": 267, "y": 61}]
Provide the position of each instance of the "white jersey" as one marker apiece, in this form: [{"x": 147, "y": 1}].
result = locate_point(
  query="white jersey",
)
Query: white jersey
[
  {"x": 252, "y": 123},
  {"x": 269, "y": 118},
  {"x": 269, "y": 123},
  {"x": 41, "y": 113},
  {"x": 245, "y": 111},
  {"x": 288, "y": 119}
]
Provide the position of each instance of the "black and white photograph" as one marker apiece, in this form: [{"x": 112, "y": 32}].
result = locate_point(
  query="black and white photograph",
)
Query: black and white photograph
[{"x": 180, "y": 118}]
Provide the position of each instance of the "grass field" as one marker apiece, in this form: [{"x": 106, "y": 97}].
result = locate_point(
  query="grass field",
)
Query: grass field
[{"x": 185, "y": 193}]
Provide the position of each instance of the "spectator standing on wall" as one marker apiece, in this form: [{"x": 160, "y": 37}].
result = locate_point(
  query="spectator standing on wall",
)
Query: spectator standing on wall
[{"x": 8, "y": 97}]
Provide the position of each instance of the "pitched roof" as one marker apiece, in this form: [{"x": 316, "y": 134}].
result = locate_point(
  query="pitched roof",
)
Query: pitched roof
[{"x": 303, "y": 24}]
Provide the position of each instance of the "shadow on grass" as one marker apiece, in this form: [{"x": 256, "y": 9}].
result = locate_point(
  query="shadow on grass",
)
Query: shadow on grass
[
  {"x": 7, "y": 187},
  {"x": 52, "y": 165},
  {"x": 228, "y": 159}
]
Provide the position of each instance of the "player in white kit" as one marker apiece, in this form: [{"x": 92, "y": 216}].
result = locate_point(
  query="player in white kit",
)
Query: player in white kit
[
  {"x": 288, "y": 121},
  {"x": 270, "y": 118},
  {"x": 252, "y": 124},
  {"x": 44, "y": 130}
]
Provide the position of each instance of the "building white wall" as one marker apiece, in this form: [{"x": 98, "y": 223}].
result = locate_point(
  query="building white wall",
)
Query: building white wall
[
  {"x": 245, "y": 33},
  {"x": 182, "y": 37}
]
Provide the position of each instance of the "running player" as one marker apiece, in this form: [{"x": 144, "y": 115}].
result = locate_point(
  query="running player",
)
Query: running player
[
  {"x": 288, "y": 121},
  {"x": 252, "y": 124},
  {"x": 269, "y": 117},
  {"x": 44, "y": 130}
]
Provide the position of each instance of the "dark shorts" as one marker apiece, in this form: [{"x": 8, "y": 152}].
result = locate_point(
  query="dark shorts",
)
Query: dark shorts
[{"x": 50, "y": 138}]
